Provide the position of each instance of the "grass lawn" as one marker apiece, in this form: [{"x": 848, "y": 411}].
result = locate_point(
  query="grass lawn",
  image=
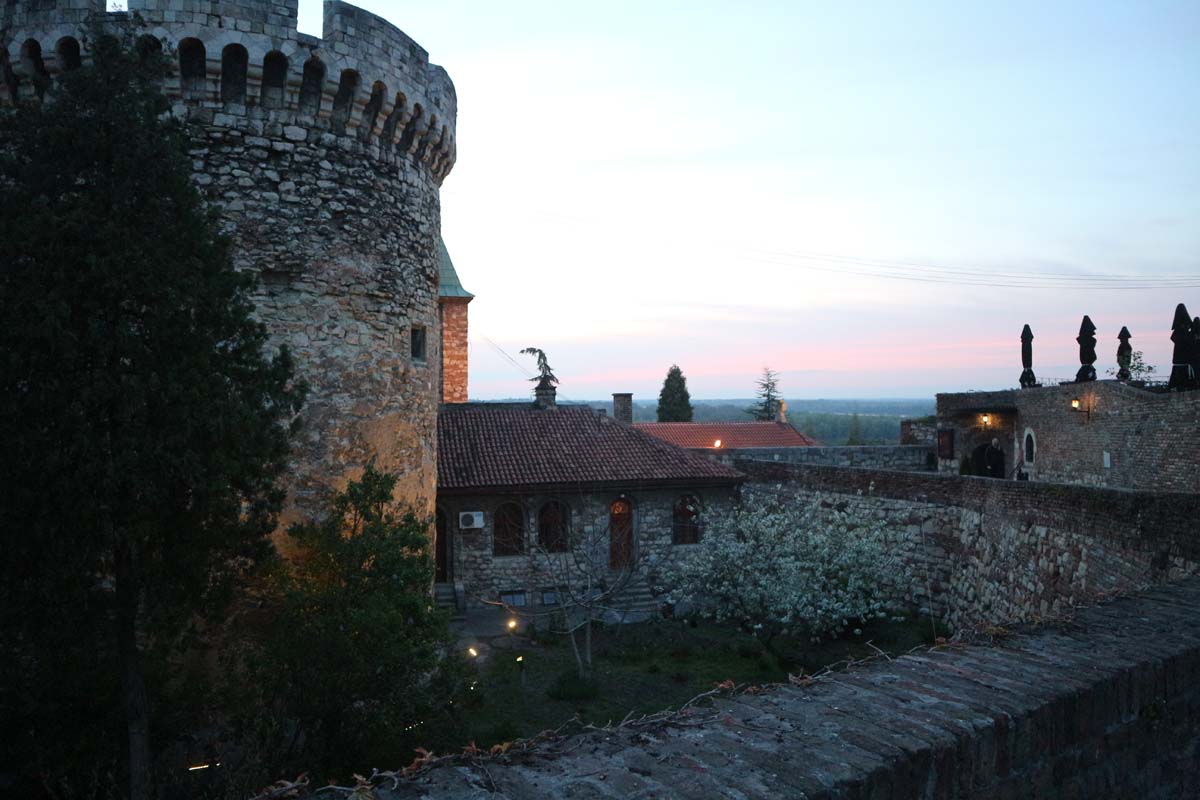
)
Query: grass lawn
[{"x": 645, "y": 668}]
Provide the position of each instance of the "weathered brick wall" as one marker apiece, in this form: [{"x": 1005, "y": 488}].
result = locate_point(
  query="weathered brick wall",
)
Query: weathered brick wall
[
  {"x": 1152, "y": 439},
  {"x": 917, "y": 458},
  {"x": 454, "y": 351},
  {"x": 331, "y": 197},
  {"x": 983, "y": 551},
  {"x": 483, "y": 575}
]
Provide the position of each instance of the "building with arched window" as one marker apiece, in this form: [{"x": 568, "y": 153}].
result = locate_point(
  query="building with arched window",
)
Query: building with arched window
[{"x": 526, "y": 487}]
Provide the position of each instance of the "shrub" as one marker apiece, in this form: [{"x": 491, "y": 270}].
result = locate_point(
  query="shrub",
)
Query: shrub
[
  {"x": 776, "y": 569},
  {"x": 571, "y": 687}
]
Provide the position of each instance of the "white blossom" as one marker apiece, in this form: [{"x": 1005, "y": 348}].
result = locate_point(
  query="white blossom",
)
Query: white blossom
[{"x": 788, "y": 569}]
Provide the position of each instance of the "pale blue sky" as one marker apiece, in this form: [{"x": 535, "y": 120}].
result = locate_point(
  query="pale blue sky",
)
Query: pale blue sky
[{"x": 640, "y": 184}]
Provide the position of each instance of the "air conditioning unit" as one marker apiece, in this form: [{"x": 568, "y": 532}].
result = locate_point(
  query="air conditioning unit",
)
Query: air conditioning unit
[{"x": 470, "y": 520}]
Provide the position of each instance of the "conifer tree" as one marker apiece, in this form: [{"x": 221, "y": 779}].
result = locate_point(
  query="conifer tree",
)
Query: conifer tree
[
  {"x": 144, "y": 425},
  {"x": 768, "y": 396},
  {"x": 855, "y": 436},
  {"x": 674, "y": 402}
]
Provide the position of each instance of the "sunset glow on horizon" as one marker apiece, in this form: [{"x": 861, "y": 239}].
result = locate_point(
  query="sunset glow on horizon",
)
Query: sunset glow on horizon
[{"x": 872, "y": 203}]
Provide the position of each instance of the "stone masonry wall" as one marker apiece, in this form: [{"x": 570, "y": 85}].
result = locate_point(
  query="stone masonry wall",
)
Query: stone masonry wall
[
  {"x": 1107, "y": 708},
  {"x": 988, "y": 552},
  {"x": 1151, "y": 440},
  {"x": 916, "y": 458},
  {"x": 484, "y": 575},
  {"x": 455, "y": 346},
  {"x": 326, "y": 168}
]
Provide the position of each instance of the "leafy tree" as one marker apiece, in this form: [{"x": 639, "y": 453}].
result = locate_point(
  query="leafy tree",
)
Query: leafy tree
[
  {"x": 780, "y": 569},
  {"x": 356, "y": 650},
  {"x": 545, "y": 376},
  {"x": 144, "y": 426},
  {"x": 855, "y": 436},
  {"x": 1139, "y": 370},
  {"x": 768, "y": 396},
  {"x": 674, "y": 402}
]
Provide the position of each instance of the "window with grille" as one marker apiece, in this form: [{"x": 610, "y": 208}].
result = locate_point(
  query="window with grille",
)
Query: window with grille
[{"x": 508, "y": 530}]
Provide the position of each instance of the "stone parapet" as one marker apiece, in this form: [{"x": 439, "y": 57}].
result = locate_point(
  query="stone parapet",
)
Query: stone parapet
[
  {"x": 1104, "y": 708},
  {"x": 364, "y": 80}
]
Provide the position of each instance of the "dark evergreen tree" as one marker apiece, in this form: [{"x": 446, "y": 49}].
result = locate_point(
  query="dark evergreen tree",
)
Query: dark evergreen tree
[
  {"x": 144, "y": 426},
  {"x": 768, "y": 396},
  {"x": 355, "y": 655},
  {"x": 855, "y": 436},
  {"x": 674, "y": 402}
]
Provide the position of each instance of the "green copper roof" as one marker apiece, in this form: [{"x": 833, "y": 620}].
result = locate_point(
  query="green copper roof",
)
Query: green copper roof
[{"x": 449, "y": 285}]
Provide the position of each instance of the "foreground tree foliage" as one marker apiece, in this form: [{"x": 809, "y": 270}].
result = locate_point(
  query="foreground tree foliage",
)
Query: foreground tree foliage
[
  {"x": 674, "y": 401},
  {"x": 354, "y": 660},
  {"x": 144, "y": 425},
  {"x": 787, "y": 569}
]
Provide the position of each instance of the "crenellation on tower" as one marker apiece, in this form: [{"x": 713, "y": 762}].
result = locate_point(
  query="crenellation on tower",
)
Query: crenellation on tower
[{"x": 365, "y": 77}]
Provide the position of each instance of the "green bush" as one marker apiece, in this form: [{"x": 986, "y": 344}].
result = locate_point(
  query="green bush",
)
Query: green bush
[{"x": 570, "y": 687}]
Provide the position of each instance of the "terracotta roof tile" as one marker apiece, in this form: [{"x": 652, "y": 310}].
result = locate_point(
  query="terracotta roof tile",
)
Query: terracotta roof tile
[
  {"x": 495, "y": 445},
  {"x": 733, "y": 435}
]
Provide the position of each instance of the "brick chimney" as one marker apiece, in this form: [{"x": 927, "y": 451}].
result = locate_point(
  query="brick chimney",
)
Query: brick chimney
[
  {"x": 544, "y": 395},
  {"x": 781, "y": 412},
  {"x": 623, "y": 407}
]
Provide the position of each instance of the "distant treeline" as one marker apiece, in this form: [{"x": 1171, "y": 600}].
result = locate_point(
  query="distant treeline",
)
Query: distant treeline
[{"x": 831, "y": 422}]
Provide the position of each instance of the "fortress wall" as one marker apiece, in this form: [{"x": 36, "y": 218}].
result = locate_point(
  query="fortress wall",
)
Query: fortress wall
[
  {"x": 988, "y": 552},
  {"x": 1152, "y": 439},
  {"x": 909, "y": 457},
  {"x": 325, "y": 158}
]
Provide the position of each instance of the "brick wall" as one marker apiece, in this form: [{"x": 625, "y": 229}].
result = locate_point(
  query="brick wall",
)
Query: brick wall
[
  {"x": 1124, "y": 437},
  {"x": 982, "y": 551},
  {"x": 453, "y": 313}
]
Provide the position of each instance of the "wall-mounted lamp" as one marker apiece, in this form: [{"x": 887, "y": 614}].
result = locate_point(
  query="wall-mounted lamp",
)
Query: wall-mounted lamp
[
  {"x": 987, "y": 420},
  {"x": 717, "y": 443},
  {"x": 1077, "y": 405}
]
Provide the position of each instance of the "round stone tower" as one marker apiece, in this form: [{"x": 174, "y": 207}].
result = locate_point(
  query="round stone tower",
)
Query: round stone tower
[{"x": 326, "y": 157}]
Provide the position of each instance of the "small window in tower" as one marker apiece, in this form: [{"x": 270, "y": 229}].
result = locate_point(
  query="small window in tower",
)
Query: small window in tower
[{"x": 418, "y": 343}]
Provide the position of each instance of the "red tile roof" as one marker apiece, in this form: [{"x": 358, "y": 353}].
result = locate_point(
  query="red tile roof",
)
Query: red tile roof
[
  {"x": 733, "y": 435},
  {"x": 495, "y": 445}
]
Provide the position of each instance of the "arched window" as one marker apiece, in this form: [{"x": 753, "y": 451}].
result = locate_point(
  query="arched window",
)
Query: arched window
[
  {"x": 31, "y": 57},
  {"x": 508, "y": 530},
  {"x": 620, "y": 534},
  {"x": 344, "y": 99},
  {"x": 68, "y": 54},
  {"x": 311, "y": 84},
  {"x": 552, "y": 528},
  {"x": 374, "y": 106},
  {"x": 193, "y": 63},
  {"x": 274, "y": 79},
  {"x": 685, "y": 520},
  {"x": 234, "y": 62},
  {"x": 1030, "y": 447}
]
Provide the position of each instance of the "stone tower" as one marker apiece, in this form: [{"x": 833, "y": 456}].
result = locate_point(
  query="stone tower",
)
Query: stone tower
[
  {"x": 452, "y": 309},
  {"x": 326, "y": 157}
]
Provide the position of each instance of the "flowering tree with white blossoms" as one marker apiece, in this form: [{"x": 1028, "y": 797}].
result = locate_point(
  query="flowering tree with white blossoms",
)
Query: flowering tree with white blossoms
[{"x": 776, "y": 569}]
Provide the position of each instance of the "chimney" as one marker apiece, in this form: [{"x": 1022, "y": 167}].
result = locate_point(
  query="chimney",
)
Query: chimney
[
  {"x": 623, "y": 407},
  {"x": 781, "y": 412},
  {"x": 544, "y": 394}
]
